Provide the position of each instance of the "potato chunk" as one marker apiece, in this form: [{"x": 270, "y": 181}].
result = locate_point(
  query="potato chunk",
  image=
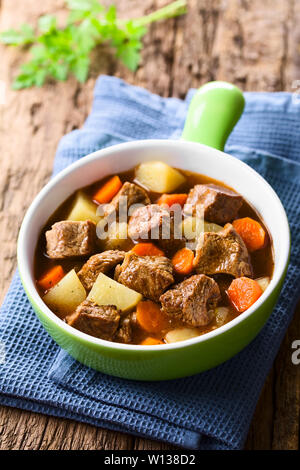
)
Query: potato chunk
[
  {"x": 211, "y": 227},
  {"x": 159, "y": 177},
  {"x": 191, "y": 227},
  {"x": 181, "y": 334},
  {"x": 222, "y": 315},
  {"x": 106, "y": 291},
  {"x": 263, "y": 282},
  {"x": 117, "y": 237},
  {"x": 83, "y": 209},
  {"x": 66, "y": 295}
]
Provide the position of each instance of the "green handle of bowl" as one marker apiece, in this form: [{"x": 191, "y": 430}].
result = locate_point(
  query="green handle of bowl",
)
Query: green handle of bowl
[{"x": 214, "y": 111}]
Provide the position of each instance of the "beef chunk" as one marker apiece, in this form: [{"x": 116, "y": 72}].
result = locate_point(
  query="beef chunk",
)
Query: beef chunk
[
  {"x": 124, "y": 332},
  {"x": 148, "y": 223},
  {"x": 148, "y": 275},
  {"x": 192, "y": 301},
  {"x": 68, "y": 238},
  {"x": 95, "y": 320},
  {"x": 128, "y": 195},
  {"x": 99, "y": 263},
  {"x": 214, "y": 203},
  {"x": 155, "y": 223},
  {"x": 222, "y": 252}
]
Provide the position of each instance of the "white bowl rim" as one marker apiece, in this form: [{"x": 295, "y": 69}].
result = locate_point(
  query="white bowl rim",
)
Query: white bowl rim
[{"x": 29, "y": 283}]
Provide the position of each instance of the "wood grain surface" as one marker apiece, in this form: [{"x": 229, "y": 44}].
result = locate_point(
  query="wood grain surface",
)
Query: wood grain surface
[{"x": 253, "y": 44}]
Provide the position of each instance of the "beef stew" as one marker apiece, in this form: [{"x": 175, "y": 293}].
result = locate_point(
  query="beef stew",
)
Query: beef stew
[{"x": 153, "y": 258}]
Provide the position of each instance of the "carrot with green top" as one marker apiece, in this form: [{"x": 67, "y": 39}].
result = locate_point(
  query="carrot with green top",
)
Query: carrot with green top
[
  {"x": 243, "y": 292},
  {"x": 107, "y": 192},
  {"x": 171, "y": 199},
  {"x": 147, "y": 249},
  {"x": 150, "y": 317},
  {"x": 151, "y": 341},
  {"x": 183, "y": 261},
  {"x": 51, "y": 277},
  {"x": 252, "y": 233}
]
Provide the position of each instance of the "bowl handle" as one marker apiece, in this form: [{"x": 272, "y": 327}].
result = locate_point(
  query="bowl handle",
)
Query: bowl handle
[{"x": 213, "y": 112}]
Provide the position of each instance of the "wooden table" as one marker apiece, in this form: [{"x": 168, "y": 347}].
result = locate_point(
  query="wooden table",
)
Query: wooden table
[{"x": 253, "y": 44}]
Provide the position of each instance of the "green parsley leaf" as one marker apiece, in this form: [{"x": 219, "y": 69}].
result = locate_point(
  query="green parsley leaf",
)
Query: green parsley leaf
[
  {"x": 58, "y": 51},
  {"x": 80, "y": 68},
  {"x": 129, "y": 55},
  {"x": 90, "y": 6},
  {"x": 18, "y": 38},
  {"x": 47, "y": 23}
]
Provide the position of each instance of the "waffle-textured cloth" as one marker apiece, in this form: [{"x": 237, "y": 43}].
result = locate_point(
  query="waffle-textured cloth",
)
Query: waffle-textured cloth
[{"x": 211, "y": 410}]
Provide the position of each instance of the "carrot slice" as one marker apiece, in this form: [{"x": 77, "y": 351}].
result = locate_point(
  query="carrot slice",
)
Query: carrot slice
[
  {"x": 171, "y": 199},
  {"x": 151, "y": 341},
  {"x": 52, "y": 277},
  {"x": 252, "y": 233},
  {"x": 183, "y": 261},
  {"x": 243, "y": 292},
  {"x": 149, "y": 316},
  {"x": 147, "y": 249},
  {"x": 108, "y": 190}
]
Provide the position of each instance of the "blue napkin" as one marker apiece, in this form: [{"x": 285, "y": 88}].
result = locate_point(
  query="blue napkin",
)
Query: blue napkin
[{"x": 211, "y": 410}]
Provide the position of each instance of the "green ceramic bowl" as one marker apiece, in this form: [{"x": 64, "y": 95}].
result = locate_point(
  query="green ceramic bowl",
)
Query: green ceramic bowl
[{"x": 213, "y": 113}]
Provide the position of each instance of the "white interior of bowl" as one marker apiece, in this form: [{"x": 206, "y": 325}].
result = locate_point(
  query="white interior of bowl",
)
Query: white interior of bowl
[{"x": 186, "y": 155}]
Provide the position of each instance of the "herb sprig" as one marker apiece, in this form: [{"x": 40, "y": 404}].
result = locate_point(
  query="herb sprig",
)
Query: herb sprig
[{"x": 57, "y": 52}]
